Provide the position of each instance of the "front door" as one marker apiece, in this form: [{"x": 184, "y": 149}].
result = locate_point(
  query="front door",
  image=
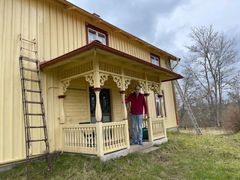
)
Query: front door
[{"x": 105, "y": 104}]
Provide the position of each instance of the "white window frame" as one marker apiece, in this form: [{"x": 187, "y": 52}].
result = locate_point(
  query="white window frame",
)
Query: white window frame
[
  {"x": 98, "y": 34},
  {"x": 155, "y": 60}
]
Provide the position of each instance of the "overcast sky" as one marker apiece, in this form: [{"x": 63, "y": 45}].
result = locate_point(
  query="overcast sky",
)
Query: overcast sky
[{"x": 167, "y": 23}]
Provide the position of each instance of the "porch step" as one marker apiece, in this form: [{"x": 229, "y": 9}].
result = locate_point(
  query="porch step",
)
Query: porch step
[
  {"x": 148, "y": 150},
  {"x": 135, "y": 148}
]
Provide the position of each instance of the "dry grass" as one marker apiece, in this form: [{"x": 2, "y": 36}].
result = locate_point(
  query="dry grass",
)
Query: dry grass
[{"x": 185, "y": 156}]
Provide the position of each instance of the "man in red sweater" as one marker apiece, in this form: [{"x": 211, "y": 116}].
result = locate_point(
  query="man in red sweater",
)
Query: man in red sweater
[{"x": 138, "y": 102}]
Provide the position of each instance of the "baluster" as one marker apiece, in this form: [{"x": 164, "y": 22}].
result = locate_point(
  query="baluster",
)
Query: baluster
[
  {"x": 79, "y": 137},
  {"x": 111, "y": 137},
  {"x": 75, "y": 137},
  {"x": 92, "y": 138},
  {"x": 69, "y": 137},
  {"x": 115, "y": 137},
  {"x": 65, "y": 137},
  {"x": 95, "y": 137},
  {"x": 72, "y": 136},
  {"x": 84, "y": 138},
  {"x": 103, "y": 131},
  {"x": 108, "y": 136},
  {"x": 88, "y": 138},
  {"x": 68, "y": 134},
  {"x": 124, "y": 135},
  {"x": 119, "y": 134}
]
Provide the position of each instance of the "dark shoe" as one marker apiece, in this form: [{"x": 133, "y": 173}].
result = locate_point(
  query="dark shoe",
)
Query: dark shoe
[
  {"x": 141, "y": 144},
  {"x": 134, "y": 143}
]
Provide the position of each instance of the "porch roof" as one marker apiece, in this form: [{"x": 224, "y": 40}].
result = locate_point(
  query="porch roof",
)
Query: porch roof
[{"x": 85, "y": 50}]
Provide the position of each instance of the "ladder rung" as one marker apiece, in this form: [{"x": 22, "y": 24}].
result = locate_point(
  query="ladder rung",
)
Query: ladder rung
[
  {"x": 34, "y": 114},
  {"x": 38, "y": 155},
  {"x": 28, "y": 59},
  {"x": 36, "y": 140},
  {"x": 28, "y": 69},
  {"x": 22, "y": 39},
  {"x": 33, "y": 102},
  {"x": 33, "y": 91},
  {"x": 32, "y": 127},
  {"x": 32, "y": 80},
  {"x": 28, "y": 49}
]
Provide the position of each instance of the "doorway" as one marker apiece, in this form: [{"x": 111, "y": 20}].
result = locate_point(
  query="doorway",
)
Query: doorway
[{"x": 105, "y": 103}]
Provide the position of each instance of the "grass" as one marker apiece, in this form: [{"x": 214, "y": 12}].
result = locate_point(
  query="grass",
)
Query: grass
[{"x": 185, "y": 156}]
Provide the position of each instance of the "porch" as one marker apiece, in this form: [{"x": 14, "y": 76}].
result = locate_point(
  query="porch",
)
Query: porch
[
  {"x": 104, "y": 138},
  {"x": 98, "y": 67}
]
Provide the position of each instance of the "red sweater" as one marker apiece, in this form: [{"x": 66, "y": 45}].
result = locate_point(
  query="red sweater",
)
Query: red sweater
[{"x": 137, "y": 103}]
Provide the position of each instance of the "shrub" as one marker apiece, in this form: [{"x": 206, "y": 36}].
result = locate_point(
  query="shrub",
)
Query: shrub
[{"x": 231, "y": 118}]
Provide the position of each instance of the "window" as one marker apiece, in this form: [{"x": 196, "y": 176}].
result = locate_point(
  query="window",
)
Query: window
[
  {"x": 105, "y": 102},
  {"x": 96, "y": 34},
  {"x": 155, "y": 60},
  {"x": 160, "y": 105}
]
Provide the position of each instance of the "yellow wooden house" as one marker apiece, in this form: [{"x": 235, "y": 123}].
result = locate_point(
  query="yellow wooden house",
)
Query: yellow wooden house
[{"x": 88, "y": 67}]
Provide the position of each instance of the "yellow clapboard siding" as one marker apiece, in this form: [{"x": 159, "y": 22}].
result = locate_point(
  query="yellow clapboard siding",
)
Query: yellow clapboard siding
[{"x": 57, "y": 31}]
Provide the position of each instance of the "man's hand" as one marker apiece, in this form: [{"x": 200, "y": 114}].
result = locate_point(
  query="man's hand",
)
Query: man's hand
[{"x": 146, "y": 116}]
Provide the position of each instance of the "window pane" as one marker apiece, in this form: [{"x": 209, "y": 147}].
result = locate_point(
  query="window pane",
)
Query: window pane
[
  {"x": 155, "y": 60},
  {"x": 102, "y": 38},
  {"x": 91, "y": 35},
  {"x": 159, "y": 107}
]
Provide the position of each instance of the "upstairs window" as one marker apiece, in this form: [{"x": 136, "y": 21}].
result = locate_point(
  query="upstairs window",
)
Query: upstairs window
[
  {"x": 155, "y": 59},
  {"x": 96, "y": 34}
]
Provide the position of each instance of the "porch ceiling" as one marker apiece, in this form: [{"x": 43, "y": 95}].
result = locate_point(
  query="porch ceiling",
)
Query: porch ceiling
[{"x": 110, "y": 55}]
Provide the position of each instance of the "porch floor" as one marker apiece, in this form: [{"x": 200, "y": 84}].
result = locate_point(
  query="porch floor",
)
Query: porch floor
[{"x": 141, "y": 148}]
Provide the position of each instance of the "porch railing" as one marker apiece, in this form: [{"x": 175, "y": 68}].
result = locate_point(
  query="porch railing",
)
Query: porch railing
[
  {"x": 84, "y": 138},
  {"x": 115, "y": 136},
  {"x": 79, "y": 138},
  {"x": 158, "y": 130}
]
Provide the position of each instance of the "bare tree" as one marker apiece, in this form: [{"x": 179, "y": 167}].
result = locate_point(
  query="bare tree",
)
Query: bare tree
[{"x": 212, "y": 65}]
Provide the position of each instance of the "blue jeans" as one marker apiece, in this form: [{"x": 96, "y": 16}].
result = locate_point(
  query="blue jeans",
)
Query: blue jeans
[{"x": 137, "y": 125}]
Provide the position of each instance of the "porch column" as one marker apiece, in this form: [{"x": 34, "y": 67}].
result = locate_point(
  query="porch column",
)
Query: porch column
[
  {"x": 125, "y": 114},
  {"x": 62, "y": 91},
  {"x": 98, "y": 110},
  {"x": 123, "y": 94},
  {"x": 150, "y": 130}
]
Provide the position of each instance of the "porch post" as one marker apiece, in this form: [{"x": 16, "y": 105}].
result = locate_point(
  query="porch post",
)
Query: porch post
[
  {"x": 99, "y": 129},
  {"x": 125, "y": 118},
  {"x": 98, "y": 110},
  {"x": 150, "y": 130},
  {"x": 124, "y": 105},
  {"x": 62, "y": 91},
  {"x": 97, "y": 83}
]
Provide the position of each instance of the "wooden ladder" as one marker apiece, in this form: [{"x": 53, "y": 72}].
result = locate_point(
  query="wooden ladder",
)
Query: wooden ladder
[
  {"x": 33, "y": 110},
  {"x": 189, "y": 109}
]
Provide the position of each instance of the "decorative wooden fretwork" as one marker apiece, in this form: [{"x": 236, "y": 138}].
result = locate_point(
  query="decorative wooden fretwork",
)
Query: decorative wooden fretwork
[
  {"x": 89, "y": 78},
  {"x": 143, "y": 85},
  {"x": 132, "y": 73},
  {"x": 127, "y": 81},
  {"x": 117, "y": 80},
  {"x": 155, "y": 87},
  {"x": 153, "y": 78},
  {"x": 65, "y": 85},
  {"x": 77, "y": 70},
  {"x": 109, "y": 68},
  {"x": 103, "y": 78}
]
